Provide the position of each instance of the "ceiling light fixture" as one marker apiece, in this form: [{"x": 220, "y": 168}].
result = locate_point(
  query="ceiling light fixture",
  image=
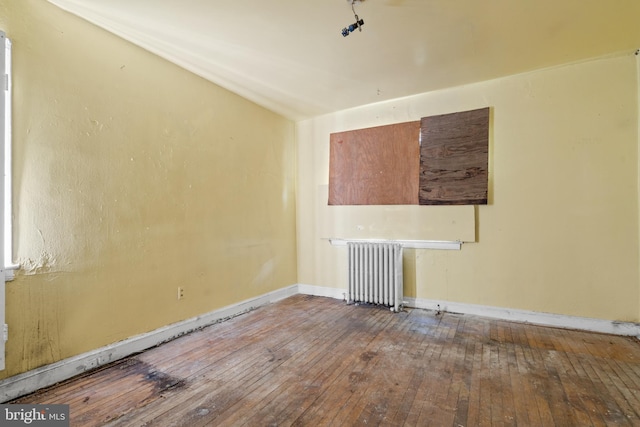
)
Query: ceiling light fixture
[{"x": 358, "y": 24}]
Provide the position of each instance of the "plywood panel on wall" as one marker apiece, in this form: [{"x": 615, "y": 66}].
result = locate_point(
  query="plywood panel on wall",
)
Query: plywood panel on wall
[
  {"x": 454, "y": 158},
  {"x": 375, "y": 166}
]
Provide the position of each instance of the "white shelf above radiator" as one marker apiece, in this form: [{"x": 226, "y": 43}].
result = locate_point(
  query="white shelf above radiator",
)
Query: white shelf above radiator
[{"x": 411, "y": 244}]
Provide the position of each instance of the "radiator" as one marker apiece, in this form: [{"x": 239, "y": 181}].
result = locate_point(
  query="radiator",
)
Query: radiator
[{"x": 375, "y": 274}]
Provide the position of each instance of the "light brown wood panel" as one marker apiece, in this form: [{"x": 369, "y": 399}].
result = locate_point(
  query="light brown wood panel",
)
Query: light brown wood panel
[
  {"x": 375, "y": 166},
  {"x": 454, "y": 158},
  {"x": 313, "y": 361}
]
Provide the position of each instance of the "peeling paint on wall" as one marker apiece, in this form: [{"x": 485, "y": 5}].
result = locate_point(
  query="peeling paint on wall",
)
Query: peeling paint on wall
[
  {"x": 126, "y": 187},
  {"x": 43, "y": 264}
]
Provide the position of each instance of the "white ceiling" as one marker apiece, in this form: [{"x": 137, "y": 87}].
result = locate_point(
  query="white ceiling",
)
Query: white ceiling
[{"x": 290, "y": 56}]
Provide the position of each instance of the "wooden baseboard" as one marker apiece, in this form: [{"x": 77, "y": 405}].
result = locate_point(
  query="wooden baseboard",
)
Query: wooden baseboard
[
  {"x": 321, "y": 291},
  {"x": 526, "y": 316},
  {"x": 533, "y": 317},
  {"x": 28, "y": 382}
]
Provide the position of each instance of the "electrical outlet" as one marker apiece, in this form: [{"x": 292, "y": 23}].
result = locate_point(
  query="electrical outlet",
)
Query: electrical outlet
[{"x": 180, "y": 292}]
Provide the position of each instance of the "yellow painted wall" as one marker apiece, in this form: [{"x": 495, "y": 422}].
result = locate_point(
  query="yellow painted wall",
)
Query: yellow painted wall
[
  {"x": 133, "y": 177},
  {"x": 560, "y": 234}
]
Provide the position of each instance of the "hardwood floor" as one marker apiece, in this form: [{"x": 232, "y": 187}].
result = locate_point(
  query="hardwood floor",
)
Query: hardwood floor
[{"x": 313, "y": 361}]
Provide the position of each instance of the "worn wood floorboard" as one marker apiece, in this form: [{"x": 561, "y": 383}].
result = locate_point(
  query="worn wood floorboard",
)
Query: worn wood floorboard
[{"x": 313, "y": 361}]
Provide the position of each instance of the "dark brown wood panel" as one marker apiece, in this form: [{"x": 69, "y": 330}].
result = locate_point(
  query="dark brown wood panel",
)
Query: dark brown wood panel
[
  {"x": 313, "y": 361},
  {"x": 375, "y": 166},
  {"x": 454, "y": 158}
]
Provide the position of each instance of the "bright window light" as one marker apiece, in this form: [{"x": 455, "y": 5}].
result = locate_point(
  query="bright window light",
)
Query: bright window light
[{"x": 8, "y": 246}]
